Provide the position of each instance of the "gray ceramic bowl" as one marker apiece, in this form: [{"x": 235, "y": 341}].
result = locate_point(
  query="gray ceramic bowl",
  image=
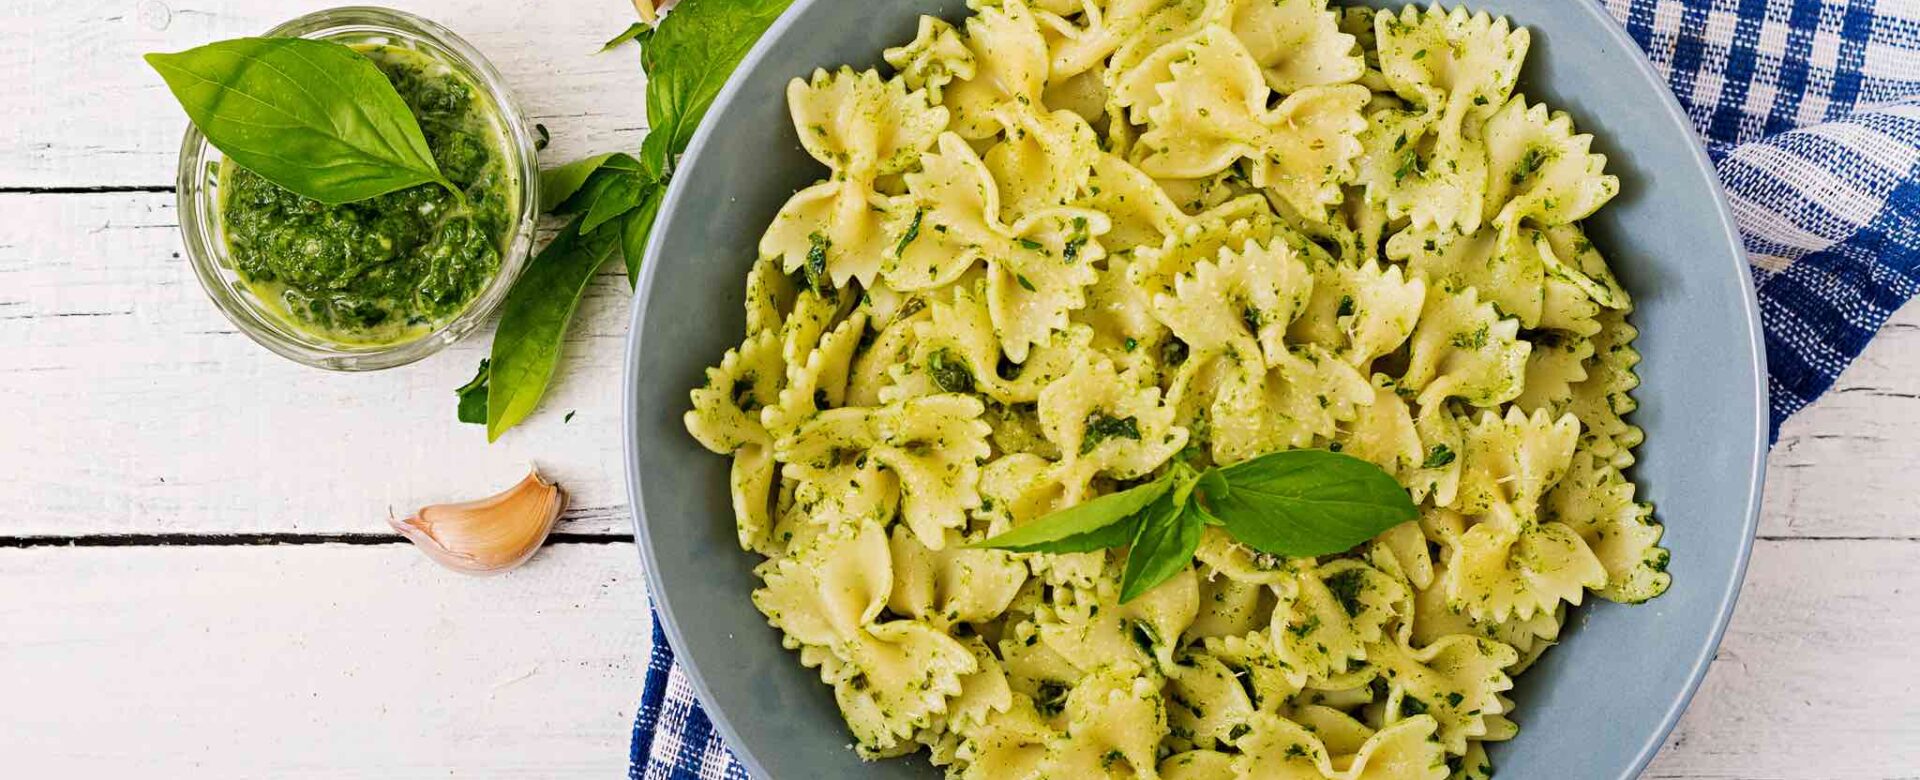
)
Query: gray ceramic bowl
[{"x": 1598, "y": 706}]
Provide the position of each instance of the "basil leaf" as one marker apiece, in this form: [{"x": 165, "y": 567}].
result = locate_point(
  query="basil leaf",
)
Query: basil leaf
[
  {"x": 473, "y": 397},
  {"x": 1169, "y": 532},
  {"x": 622, "y": 193},
  {"x": 534, "y": 320},
  {"x": 1301, "y": 503},
  {"x": 1086, "y": 526},
  {"x": 634, "y": 32},
  {"x": 314, "y": 117},
  {"x": 636, "y": 226},
  {"x": 559, "y": 184},
  {"x": 687, "y": 59}
]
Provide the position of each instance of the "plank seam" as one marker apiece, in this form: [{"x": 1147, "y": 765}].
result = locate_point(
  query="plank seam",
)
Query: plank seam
[{"x": 258, "y": 540}]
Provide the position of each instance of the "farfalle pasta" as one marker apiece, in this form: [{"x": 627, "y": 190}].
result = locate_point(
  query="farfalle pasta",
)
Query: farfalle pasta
[{"x": 1062, "y": 245}]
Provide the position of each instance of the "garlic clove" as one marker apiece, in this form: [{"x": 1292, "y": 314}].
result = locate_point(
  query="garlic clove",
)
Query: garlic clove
[
  {"x": 647, "y": 12},
  {"x": 490, "y": 535}
]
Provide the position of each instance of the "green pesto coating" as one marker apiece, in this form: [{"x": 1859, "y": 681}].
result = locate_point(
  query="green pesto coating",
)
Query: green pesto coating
[{"x": 394, "y": 267}]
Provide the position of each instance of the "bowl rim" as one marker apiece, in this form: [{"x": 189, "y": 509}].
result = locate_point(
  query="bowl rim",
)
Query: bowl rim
[{"x": 1721, "y": 211}]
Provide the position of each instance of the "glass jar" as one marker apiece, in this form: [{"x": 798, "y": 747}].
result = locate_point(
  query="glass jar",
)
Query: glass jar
[{"x": 202, "y": 223}]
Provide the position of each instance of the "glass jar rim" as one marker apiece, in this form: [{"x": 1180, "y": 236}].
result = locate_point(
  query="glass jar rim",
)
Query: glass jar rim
[{"x": 201, "y": 222}]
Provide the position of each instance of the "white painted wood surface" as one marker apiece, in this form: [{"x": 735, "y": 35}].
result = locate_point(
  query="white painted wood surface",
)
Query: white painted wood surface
[{"x": 134, "y": 415}]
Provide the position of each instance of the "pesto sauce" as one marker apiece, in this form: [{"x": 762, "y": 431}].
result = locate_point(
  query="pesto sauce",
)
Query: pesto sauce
[{"x": 395, "y": 267}]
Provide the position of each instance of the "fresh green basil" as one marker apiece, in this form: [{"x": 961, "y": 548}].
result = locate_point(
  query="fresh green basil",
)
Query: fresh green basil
[
  {"x": 1086, "y": 526},
  {"x": 314, "y": 117},
  {"x": 634, "y": 32},
  {"x": 1169, "y": 532},
  {"x": 473, "y": 396},
  {"x": 688, "y": 57},
  {"x": 636, "y": 226},
  {"x": 534, "y": 320},
  {"x": 559, "y": 184},
  {"x": 1303, "y": 503},
  {"x": 1296, "y": 503}
]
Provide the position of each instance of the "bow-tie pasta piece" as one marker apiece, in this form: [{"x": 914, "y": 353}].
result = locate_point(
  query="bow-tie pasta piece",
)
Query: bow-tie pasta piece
[
  {"x": 827, "y": 594},
  {"x": 854, "y": 489},
  {"x": 984, "y": 695},
  {"x": 936, "y": 56},
  {"x": 955, "y": 584},
  {"x": 1228, "y": 607},
  {"x": 1159, "y": 618},
  {"x": 1503, "y": 267},
  {"x": 1303, "y": 397},
  {"x": 1108, "y": 422},
  {"x": 1119, "y": 319},
  {"x": 819, "y": 380},
  {"x": 1557, "y": 364},
  {"x": 1360, "y": 311},
  {"x": 1269, "y": 681},
  {"x": 1198, "y": 765},
  {"x": 1011, "y": 745},
  {"x": 1114, "y": 723},
  {"x": 1102, "y": 27},
  {"x": 1598, "y": 503},
  {"x": 770, "y": 295},
  {"x": 1142, "y": 213},
  {"x": 934, "y": 445},
  {"x": 873, "y": 364},
  {"x": 726, "y": 420},
  {"x": 1434, "y": 620},
  {"x": 1207, "y": 702},
  {"x": 1085, "y": 627},
  {"x": 1276, "y": 748},
  {"x": 1456, "y": 68},
  {"x": 1539, "y": 171},
  {"x": 1498, "y": 568},
  {"x": 1011, "y": 65},
  {"x": 1214, "y": 112},
  {"x": 1455, "y": 65},
  {"x": 1043, "y": 276},
  {"x": 954, "y": 351},
  {"x": 1045, "y": 161},
  {"x": 1411, "y": 172},
  {"x": 1383, "y": 432},
  {"x": 1231, "y": 224},
  {"x": 1243, "y": 301},
  {"x": 1463, "y": 349},
  {"x": 1298, "y": 43},
  {"x": 1512, "y": 461},
  {"x": 1604, "y": 399},
  {"x": 1322, "y": 631},
  {"x": 1569, "y": 256},
  {"x": 1456, "y": 681},
  {"x": 861, "y": 128},
  {"x": 896, "y": 681}
]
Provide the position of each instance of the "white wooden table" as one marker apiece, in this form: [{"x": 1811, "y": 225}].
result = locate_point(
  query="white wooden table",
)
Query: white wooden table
[{"x": 196, "y": 577}]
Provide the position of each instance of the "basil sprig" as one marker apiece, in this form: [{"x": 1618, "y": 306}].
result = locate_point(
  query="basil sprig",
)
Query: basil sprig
[
  {"x": 315, "y": 117},
  {"x": 613, "y": 198},
  {"x": 1293, "y": 503}
]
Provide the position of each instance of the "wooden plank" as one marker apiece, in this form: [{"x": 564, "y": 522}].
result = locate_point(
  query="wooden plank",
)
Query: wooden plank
[
  {"x": 1815, "y": 678},
  {"x": 317, "y": 661},
  {"x": 367, "y": 661},
  {"x": 1845, "y": 466},
  {"x": 134, "y": 394},
  {"x": 84, "y": 111},
  {"x": 135, "y": 407}
]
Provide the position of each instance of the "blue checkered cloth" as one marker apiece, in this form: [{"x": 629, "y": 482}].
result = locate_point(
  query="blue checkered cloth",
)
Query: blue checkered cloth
[{"x": 1811, "y": 111}]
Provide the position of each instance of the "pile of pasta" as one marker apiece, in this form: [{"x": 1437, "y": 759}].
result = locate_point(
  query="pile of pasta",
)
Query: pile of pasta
[{"x": 1066, "y": 243}]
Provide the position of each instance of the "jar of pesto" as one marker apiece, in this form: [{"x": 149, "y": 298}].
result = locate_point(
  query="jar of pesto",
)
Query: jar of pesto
[{"x": 386, "y": 281}]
